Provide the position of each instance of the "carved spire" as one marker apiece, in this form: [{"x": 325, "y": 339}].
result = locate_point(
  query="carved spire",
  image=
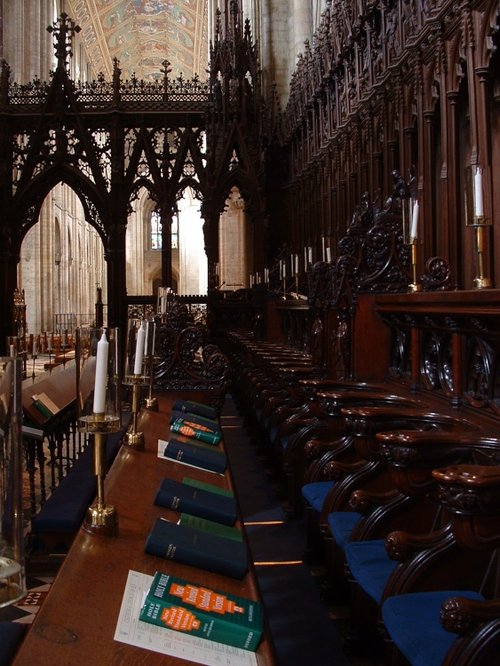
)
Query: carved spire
[{"x": 63, "y": 31}]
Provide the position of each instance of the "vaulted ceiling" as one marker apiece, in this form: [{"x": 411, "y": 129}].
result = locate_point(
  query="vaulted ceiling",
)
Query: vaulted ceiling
[{"x": 141, "y": 34}]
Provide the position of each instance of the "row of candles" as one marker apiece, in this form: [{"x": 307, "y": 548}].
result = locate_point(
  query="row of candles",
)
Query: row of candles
[
  {"x": 293, "y": 261},
  {"x": 40, "y": 343},
  {"x": 291, "y": 267},
  {"x": 144, "y": 332}
]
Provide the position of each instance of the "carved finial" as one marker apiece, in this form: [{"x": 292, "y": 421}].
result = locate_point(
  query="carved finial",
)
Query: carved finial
[{"x": 64, "y": 29}]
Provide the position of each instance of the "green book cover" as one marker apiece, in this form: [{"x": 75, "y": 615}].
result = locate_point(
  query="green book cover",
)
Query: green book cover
[
  {"x": 43, "y": 409},
  {"x": 204, "y": 485},
  {"x": 212, "y": 526},
  {"x": 183, "y": 606},
  {"x": 194, "y": 431}
]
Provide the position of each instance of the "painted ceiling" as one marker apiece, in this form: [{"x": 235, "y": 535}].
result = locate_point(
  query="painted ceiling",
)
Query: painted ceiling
[{"x": 141, "y": 34}]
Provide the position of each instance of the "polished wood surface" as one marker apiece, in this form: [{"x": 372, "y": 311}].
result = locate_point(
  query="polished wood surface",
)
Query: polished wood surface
[{"x": 77, "y": 621}]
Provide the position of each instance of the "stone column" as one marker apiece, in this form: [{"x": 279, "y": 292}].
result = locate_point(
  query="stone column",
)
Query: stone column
[{"x": 302, "y": 26}]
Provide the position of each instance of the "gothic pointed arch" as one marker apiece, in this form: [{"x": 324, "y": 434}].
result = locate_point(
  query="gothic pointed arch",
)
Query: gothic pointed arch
[{"x": 28, "y": 200}]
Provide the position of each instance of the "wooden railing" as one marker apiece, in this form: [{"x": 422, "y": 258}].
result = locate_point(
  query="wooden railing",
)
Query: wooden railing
[{"x": 447, "y": 345}]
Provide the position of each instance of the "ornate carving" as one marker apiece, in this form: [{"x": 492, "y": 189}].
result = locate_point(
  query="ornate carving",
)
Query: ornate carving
[{"x": 186, "y": 358}]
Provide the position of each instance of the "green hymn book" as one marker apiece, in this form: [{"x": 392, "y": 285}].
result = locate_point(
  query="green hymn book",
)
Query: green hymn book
[{"x": 200, "y": 611}]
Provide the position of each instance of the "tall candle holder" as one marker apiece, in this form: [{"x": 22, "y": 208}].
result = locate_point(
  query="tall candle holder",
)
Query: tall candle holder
[
  {"x": 151, "y": 401},
  {"x": 97, "y": 354},
  {"x": 480, "y": 224},
  {"x": 135, "y": 378},
  {"x": 474, "y": 199},
  {"x": 12, "y": 570},
  {"x": 414, "y": 285}
]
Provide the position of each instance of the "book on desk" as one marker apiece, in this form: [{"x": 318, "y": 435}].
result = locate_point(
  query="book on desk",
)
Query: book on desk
[
  {"x": 197, "y": 548},
  {"x": 200, "y": 611},
  {"x": 198, "y": 408},
  {"x": 183, "y": 497},
  {"x": 203, "y": 433},
  {"x": 194, "y": 454}
]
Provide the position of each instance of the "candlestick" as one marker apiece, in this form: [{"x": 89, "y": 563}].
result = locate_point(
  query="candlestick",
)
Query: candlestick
[
  {"x": 414, "y": 285},
  {"x": 329, "y": 254},
  {"x": 101, "y": 375},
  {"x": 481, "y": 281},
  {"x": 104, "y": 418}
]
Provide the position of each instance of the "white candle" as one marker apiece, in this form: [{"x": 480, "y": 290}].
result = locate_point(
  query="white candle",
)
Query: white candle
[
  {"x": 328, "y": 254},
  {"x": 12, "y": 351},
  {"x": 101, "y": 375},
  {"x": 139, "y": 349},
  {"x": 414, "y": 221},
  {"x": 296, "y": 264},
  {"x": 305, "y": 257},
  {"x": 478, "y": 193},
  {"x": 310, "y": 254},
  {"x": 146, "y": 339}
]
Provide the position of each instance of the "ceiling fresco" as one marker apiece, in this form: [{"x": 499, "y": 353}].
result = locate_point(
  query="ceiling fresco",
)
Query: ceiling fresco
[{"x": 143, "y": 33}]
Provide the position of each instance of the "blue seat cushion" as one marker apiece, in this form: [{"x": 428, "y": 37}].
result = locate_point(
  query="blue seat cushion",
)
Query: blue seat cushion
[
  {"x": 412, "y": 621},
  {"x": 315, "y": 493},
  {"x": 65, "y": 509},
  {"x": 11, "y": 636},
  {"x": 341, "y": 525},
  {"x": 370, "y": 565}
]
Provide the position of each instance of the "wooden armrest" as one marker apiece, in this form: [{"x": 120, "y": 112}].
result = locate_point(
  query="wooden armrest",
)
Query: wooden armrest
[
  {"x": 292, "y": 425},
  {"x": 314, "y": 448},
  {"x": 364, "y": 500},
  {"x": 461, "y": 615},
  {"x": 336, "y": 470},
  {"x": 436, "y": 446},
  {"x": 402, "y": 545},
  {"x": 469, "y": 476}
]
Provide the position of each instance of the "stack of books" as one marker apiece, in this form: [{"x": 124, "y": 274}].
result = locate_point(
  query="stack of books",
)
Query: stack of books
[
  {"x": 204, "y": 536},
  {"x": 211, "y": 614},
  {"x": 201, "y": 437}
]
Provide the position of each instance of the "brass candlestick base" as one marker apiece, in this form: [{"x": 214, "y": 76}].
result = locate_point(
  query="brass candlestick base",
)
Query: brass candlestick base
[
  {"x": 101, "y": 518},
  {"x": 480, "y": 225},
  {"x": 414, "y": 286},
  {"x": 133, "y": 438}
]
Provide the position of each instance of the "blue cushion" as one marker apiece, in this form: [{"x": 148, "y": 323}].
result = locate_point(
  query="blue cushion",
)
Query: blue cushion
[
  {"x": 315, "y": 493},
  {"x": 11, "y": 635},
  {"x": 412, "y": 621},
  {"x": 341, "y": 524},
  {"x": 65, "y": 509},
  {"x": 370, "y": 565}
]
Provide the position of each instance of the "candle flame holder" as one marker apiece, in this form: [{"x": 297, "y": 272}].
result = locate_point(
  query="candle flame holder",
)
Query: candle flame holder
[{"x": 101, "y": 518}]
